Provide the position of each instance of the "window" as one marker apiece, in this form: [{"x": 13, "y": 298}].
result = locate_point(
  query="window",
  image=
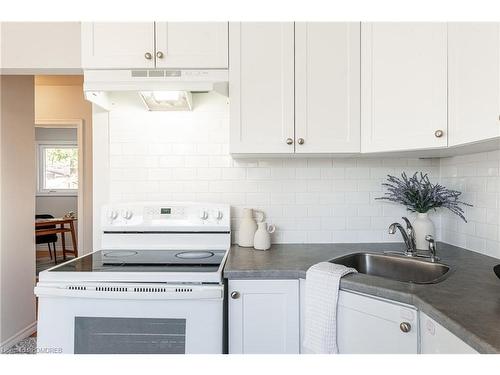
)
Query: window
[{"x": 57, "y": 169}]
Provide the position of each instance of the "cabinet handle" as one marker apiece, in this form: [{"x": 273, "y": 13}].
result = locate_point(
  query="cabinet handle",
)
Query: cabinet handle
[
  {"x": 159, "y": 54},
  {"x": 289, "y": 141},
  {"x": 300, "y": 141},
  {"x": 148, "y": 56},
  {"x": 439, "y": 133},
  {"x": 405, "y": 327},
  {"x": 235, "y": 295}
]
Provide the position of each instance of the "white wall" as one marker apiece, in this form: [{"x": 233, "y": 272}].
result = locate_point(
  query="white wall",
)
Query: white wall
[
  {"x": 57, "y": 206},
  {"x": 184, "y": 156},
  {"x": 17, "y": 246},
  {"x": 477, "y": 175},
  {"x": 40, "y": 47}
]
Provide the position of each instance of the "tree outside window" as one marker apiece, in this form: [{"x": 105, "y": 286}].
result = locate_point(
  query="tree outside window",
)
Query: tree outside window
[{"x": 58, "y": 169}]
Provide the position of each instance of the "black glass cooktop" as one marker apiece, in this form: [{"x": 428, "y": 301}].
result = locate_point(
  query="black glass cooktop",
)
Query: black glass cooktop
[{"x": 146, "y": 261}]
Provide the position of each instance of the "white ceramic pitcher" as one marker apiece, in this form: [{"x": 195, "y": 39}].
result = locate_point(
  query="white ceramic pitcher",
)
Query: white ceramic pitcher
[
  {"x": 248, "y": 226},
  {"x": 262, "y": 239}
]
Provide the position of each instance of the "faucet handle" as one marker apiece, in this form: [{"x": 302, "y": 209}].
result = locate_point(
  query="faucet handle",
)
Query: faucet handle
[{"x": 432, "y": 242}]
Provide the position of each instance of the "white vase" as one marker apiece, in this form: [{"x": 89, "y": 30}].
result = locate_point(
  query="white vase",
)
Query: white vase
[
  {"x": 262, "y": 238},
  {"x": 248, "y": 227},
  {"x": 423, "y": 226}
]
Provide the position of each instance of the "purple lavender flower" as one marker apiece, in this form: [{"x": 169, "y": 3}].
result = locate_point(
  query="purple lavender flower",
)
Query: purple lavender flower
[{"x": 418, "y": 194}]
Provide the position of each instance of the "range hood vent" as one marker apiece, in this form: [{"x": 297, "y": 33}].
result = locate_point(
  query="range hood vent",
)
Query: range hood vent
[{"x": 98, "y": 83}]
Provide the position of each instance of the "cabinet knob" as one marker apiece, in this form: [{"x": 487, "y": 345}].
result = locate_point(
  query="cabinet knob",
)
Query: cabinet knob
[
  {"x": 235, "y": 295},
  {"x": 159, "y": 54},
  {"x": 300, "y": 141},
  {"x": 439, "y": 133},
  {"x": 405, "y": 327},
  {"x": 289, "y": 141},
  {"x": 148, "y": 56}
]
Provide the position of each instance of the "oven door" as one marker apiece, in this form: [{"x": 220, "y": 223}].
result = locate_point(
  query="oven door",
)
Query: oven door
[{"x": 130, "y": 319}]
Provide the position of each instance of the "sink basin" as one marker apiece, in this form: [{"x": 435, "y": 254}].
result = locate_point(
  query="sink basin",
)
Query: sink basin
[{"x": 395, "y": 267}]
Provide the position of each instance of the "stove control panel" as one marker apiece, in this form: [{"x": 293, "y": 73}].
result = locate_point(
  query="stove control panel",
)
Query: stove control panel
[{"x": 165, "y": 214}]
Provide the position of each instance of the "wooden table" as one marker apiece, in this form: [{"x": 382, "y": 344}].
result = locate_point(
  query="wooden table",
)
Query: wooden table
[{"x": 60, "y": 227}]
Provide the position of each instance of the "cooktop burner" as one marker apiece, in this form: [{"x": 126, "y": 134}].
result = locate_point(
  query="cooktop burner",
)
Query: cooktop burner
[
  {"x": 195, "y": 254},
  {"x": 145, "y": 261},
  {"x": 119, "y": 253}
]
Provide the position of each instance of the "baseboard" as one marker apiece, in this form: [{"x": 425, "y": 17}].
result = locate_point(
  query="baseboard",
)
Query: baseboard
[{"x": 22, "y": 334}]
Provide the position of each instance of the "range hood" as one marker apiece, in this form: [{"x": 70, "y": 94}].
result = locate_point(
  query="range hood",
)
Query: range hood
[{"x": 160, "y": 89}]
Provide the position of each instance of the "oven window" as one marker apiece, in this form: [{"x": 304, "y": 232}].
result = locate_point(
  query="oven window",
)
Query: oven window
[{"x": 96, "y": 335}]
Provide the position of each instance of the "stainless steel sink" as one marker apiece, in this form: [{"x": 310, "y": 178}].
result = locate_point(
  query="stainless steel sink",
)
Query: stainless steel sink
[{"x": 395, "y": 267}]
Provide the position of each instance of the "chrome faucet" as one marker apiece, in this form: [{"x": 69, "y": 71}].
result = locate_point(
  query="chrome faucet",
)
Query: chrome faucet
[{"x": 408, "y": 236}]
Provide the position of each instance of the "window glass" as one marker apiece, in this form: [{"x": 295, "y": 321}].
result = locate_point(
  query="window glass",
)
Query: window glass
[{"x": 58, "y": 168}]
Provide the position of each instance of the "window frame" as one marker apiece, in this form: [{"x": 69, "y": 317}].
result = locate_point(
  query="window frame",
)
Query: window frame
[{"x": 40, "y": 165}]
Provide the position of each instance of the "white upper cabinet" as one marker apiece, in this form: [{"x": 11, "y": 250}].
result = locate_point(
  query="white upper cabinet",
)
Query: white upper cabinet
[
  {"x": 261, "y": 87},
  {"x": 474, "y": 82},
  {"x": 403, "y": 86},
  {"x": 111, "y": 45},
  {"x": 183, "y": 45},
  {"x": 192, "y": 45},
  {"x": 40, "y": 47},
  {"x": 327, "y": 92}
]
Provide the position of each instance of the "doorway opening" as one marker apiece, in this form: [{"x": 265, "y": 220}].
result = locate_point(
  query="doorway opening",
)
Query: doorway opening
[{"x": 59, "y": 196}]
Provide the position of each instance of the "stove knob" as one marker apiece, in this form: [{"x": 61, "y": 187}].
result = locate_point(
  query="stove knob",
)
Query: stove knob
[
  {"x": 127, "y": 214},
  {"x": 203, "y": 215},
  {"x": 220, "y": 215},
  {"x": 112, "y": 215}
]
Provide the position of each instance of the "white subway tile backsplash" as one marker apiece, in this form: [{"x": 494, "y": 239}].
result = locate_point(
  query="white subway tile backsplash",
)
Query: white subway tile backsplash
[
  {"x": 477, "y": 175},
  {"x": 209, "y": 173},
  {"x": 184, "y": 156}
]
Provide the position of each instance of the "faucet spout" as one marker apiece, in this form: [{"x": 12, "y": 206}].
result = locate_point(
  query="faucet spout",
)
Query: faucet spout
[{"x": 408, "y": 236}]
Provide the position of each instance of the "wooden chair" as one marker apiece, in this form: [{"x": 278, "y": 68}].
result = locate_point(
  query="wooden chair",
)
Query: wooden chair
[{"x": 48, "y": 238}]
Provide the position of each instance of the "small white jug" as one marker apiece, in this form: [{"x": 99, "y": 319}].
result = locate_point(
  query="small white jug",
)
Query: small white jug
[
  {"x": 262, "y": 239},
  {"x": 248, "y": 226}
]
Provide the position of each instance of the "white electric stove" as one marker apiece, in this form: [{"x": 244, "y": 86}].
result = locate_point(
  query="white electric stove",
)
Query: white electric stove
[{"x": 155, "y": 286}]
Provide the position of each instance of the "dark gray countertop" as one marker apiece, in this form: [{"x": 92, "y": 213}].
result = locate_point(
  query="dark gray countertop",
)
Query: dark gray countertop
[{"x": 467, "y": 302}]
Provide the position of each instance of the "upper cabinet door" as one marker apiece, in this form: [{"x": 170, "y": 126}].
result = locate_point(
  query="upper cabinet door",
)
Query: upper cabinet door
[
  {"x": 404, "y": 86},
  {"x": 192, "y": 45},
  {"x": 474, "y": 81},
  {"x": 327, "y": 92},
  {"x": 261, "y": 87},
  {"x": 110, "y": 45}
]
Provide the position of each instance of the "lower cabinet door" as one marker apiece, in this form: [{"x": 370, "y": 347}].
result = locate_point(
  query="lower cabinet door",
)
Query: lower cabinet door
[
  {"x": 368, "y": 325},
  {"x": 264, "y": 317},
  {"x": 435, "y": 339}
]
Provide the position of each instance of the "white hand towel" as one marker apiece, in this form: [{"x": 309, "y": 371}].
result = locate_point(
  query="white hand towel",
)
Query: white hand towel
[{"x": 322, "y": 294}]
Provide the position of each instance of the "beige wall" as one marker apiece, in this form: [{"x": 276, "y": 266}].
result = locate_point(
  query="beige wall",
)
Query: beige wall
[
  {"x": 17, "y": 202},
  {"x": 60, "y": 98}
]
